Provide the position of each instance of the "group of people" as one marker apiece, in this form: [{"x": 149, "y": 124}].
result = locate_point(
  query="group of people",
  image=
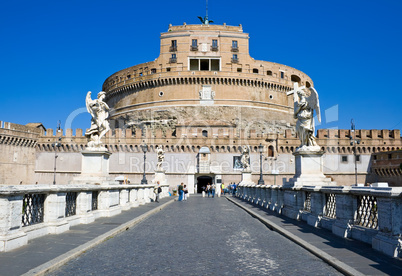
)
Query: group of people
[
  {"x": 232, "y": 188},
  {"x": 183, "y": 192},
  {"x": 210, "y": 189}
]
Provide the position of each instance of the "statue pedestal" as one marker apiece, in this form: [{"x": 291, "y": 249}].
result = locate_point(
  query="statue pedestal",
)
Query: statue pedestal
[
  {"x": 160, "y": 176},
  {"x": 246, "y": 178},
  {"x": 309, "y": 169},
  {"x": 95, "y": 168},
  {"x": 95, "y": 163}
]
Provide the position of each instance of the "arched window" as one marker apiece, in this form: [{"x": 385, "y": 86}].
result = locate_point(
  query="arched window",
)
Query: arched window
[
  {"x": 204, "y": 133},
  {"x": 295, "y": 78},
  {"x": 270, "y": 151}
]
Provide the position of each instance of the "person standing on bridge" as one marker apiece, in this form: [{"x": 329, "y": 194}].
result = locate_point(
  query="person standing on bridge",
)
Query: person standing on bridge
[
  {"x": 181, "y": 192},
  {"x": 209, "y": 189},
  {"x": 185, "y": 191},
  {"x": 157, "y": 191}
]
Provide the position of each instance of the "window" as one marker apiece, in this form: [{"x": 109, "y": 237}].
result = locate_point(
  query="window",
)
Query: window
[
  {"x": 168, "y": 69},
  {"x": 214, "y": 45},
  {"x": 194, "y": 64},
  {"x": 269, "y": 73},
  {"x": 234, "y": 58},
  {"x": 270, "y": 151},
  {"x": 344, "y": 159},
  {"x": 205, "y": 133},
  {"x": 239, "y": 70},
  {"x": 234, "y": 46},
  {"x": 295, "y": 78},
  {"x": 204, "y": 64},
  {"x": 214, "y": 64},
  {"x": 282, "y": 75},
  {"x": 255, "y": 71},
  {"x": 357, "y": 158},
  {"x": 173, "y": 46},
  {"x": 194, "y": 45},
  {"x": 173, "y": 59}
]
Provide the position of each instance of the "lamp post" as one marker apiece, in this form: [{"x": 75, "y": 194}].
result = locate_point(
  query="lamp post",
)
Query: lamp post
[
  {"x": 261, "y": 180},
  {"x": 56, "y": 145},
  {"x": 353, "y": 143},
  {"x": 144, "y": 150}
]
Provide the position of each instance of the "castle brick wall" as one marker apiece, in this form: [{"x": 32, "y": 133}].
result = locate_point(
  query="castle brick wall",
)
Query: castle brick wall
[{"x": 17, "y": 154}]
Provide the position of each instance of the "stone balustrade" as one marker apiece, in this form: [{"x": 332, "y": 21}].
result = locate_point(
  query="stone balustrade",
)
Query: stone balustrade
[
  {"x": 31, "y": 211},
  {"x": 369, "y": 214}
]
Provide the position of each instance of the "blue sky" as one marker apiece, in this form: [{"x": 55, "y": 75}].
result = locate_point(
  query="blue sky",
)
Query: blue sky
[{"x": 53, "y": 52}]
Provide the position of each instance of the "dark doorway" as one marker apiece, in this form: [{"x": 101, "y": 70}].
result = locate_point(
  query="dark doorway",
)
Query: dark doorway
[{"x": 202, "y": 182}]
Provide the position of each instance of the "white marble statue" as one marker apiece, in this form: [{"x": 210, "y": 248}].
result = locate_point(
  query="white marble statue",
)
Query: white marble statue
[
  {"x": 161, "y": 157},
  {"x": 99, "y": 111},
  {"x": 245, "y": 159},
  {"x": 305, "y": 102}
]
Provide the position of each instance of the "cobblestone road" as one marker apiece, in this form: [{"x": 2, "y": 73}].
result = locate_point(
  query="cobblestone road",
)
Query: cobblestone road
[{"x": 202, "y": 236}]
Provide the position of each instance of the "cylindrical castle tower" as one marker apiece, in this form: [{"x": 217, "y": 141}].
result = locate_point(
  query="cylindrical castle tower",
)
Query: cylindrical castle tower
[{"x": 204, "y": 75}]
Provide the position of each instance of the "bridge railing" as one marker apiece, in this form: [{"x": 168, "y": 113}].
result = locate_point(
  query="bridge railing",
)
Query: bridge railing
[
  {"x": 31, "y": 211},
  {"x": 369, "y": 214}
]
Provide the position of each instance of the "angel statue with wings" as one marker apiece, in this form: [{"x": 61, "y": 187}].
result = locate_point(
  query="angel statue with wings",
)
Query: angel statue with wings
[
  {"x": 305, "y": 102},
  {"x": 99, "y": 111},
  {"x": 161, "y": 157},
  {"x": 245, "y": 159}
]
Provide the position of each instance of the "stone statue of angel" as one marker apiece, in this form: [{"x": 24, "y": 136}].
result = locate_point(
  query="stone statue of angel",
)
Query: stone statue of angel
[
  {"x": 305, "y": 102},
  {"x": 99, "y": 111},
  {"x": 245, "y": 159},
  {"x": 161, "y": 157}
]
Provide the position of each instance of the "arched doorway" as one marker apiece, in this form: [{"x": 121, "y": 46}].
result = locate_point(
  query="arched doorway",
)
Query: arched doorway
[{"x": 202, "y": 182}]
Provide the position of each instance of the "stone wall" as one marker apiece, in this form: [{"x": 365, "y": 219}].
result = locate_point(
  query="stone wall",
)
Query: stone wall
[
  {"x": 369, "y": 214},
  {"x": 17, "y": 158},
  {"x": 183, "y": 146}
]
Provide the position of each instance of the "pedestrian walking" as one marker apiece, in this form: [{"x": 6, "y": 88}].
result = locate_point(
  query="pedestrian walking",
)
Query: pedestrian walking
[
  {"x": 209, "y": 189},
  {"x": 157, "y": 191},
  {"x": 213, "y": 190},
  {"x": 181, "y": 191},
  {"x": 185, "y": 190}
]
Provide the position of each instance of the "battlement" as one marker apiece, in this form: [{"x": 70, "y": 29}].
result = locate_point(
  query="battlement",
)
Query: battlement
[
  {"x": 28, "y": 128},
  {"x": 223, "y": 139},
  {"x": 359, "y": 133},
  {"x": 19, "y": 135},
  {"x": 203, "y": 27},
  {"x": 218, "y": 131}
]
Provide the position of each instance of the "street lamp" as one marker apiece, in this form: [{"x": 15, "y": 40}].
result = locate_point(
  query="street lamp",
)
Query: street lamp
[
  {"x": 261, "y": 180},
  {"x": 56, "y": 145},
  {"x": 353, "y": 143},
  {"x": 144, "y": 150}
]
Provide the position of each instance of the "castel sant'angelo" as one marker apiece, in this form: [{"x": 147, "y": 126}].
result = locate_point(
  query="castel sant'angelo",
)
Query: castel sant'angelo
[{"x": 202, "y": 99}]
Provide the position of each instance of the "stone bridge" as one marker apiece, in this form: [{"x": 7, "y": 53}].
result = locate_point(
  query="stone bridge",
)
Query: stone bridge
[{"x": 262, "y": 230}]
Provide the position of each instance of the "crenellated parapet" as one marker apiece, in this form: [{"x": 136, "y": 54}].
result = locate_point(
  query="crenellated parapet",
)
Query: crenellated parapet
[
  {"x": 227, "y": 139},
  {"x": 18, "y": 135}
]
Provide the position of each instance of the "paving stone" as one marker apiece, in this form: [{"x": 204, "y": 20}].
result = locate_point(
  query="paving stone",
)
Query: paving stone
[{"x": 202, "y": 236}]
